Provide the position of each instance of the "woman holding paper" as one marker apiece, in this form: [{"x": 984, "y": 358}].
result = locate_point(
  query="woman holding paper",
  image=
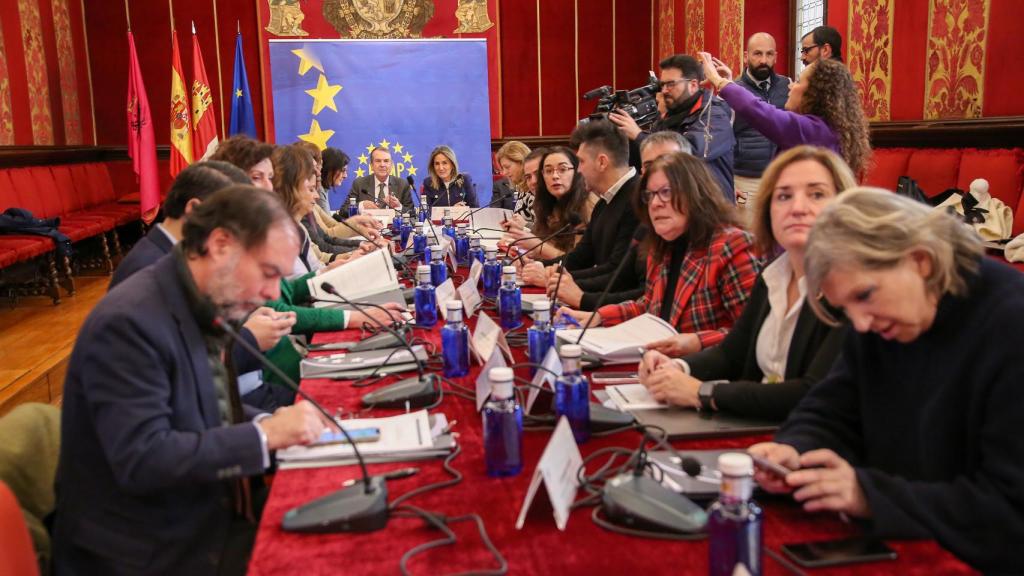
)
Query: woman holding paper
[
  {"x": 446, "y": 186},
  {"x": 700, "y": 264},
  {"x": 778, "y": 348}
]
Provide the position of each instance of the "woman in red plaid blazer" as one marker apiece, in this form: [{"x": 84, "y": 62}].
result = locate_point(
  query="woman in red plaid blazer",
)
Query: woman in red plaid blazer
[{"x": 697, "y": 236}]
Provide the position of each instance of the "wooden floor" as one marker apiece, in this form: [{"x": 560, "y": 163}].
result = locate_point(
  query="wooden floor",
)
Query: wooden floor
[{"x": 36, "y": 339}]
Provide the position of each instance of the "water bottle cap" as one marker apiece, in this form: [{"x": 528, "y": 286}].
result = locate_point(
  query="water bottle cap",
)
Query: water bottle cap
[
  {"x": 435, "y": 255},
  {"x": 419, "y": 226},
  {"x": 474, "y": 241},
  {"x": 542, "y": 306},
  {"x": 736, "y": 464},
  {"x": 571, "y": 351},
  {"x": 423, "y": 271},
  {"x": 501, "y": 375},
  {"x": 462, "y": 225},
  {"x": 508, "y": 269},
  {"x": 490, "y": 250},
  {"x": 453, "y": 305}
]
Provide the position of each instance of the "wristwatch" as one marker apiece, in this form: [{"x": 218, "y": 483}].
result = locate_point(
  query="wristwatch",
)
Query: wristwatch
[{"x": 706, "y": 393}]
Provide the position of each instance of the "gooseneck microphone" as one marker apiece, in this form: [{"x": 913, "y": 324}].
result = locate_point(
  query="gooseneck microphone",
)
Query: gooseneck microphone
[
  {"x": 358, "y": 508},
  {"x": 416, "y": 392},
  {"x": 638, "y": 237}
]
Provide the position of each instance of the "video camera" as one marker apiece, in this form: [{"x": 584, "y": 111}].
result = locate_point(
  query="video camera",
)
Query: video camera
[{"x": 640, "y": 103}]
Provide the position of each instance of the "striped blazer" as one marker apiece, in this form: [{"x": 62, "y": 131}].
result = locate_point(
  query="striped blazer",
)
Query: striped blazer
[{"x": 713, "y": 287}]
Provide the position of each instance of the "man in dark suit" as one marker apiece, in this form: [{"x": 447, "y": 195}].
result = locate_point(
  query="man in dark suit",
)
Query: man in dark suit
[
  {"x": 381, "y": 189},
  {"x": 604, "y": 164},
  {"x": 154, "y": 438}
]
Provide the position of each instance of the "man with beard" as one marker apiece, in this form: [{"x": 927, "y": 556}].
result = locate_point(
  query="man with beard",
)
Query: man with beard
[
  {"x": 154, "y": 438},
  {"x": 704, "y": 120},
  {"x": 753, "y": 151}
]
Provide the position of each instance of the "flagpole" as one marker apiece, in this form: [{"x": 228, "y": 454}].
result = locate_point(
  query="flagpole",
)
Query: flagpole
[
  {"x": 170, "y": 5},
  {"x": 128, "y": 15},
  {"x": 220, "y": 77}
]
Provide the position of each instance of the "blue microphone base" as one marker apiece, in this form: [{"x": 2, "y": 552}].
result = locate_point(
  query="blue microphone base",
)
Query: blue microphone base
[{"x": 350, "y": 510}]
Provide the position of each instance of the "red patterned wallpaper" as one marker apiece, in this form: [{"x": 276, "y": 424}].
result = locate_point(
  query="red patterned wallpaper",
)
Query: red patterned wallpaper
[
  {"x": 694, "y": 27},
  {"x": 35, "y": 67},
  {"x": 731, "y": 40},
  {"x": 869, "y": 54},
  {"x": 955, "y": 69},
  {"x": 666, "y": 28},
  {"x": 68, "y": 74},
  {"x": 6, "y": 122}
]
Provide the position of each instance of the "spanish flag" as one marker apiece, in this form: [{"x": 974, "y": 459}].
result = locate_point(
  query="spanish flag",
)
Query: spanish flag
[
  {"x": 181, "y": 121},
  {"x": 204, "y": 121}
]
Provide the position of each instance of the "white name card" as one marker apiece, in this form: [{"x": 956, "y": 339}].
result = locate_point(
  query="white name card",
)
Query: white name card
[
  {"x": 557, "y": 469},
  {"x": 483, "y": 381},
  {"x": 544, "y": 378},
  {"x": 444, "y": 293},
  {"x": 470, "y": 297}
]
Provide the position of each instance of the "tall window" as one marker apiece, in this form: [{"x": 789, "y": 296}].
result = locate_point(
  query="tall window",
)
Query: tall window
[{"x": 807, "y": 15}]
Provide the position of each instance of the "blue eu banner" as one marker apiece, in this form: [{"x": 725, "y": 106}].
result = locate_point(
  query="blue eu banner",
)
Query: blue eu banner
[{"x": 407, "y": 96}]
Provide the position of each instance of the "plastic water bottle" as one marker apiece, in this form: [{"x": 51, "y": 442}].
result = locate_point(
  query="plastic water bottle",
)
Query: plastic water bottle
[
  {"x": 475, "y": 251},
  {"x": 503, "y": 427},
  {"x": 423, "y": 214},
  {"x": 448, "y": 228},
  {"x": 540, "y": 336},
  {"x": 396, "y": 224},
  {"x": 426, "y": 301},
  {"x": 419, "y": 244},
  {"x": 353, "y": 208},
  {"x": 492, "y": 274},
  {"x": 734, "y": 520},
  {"x": 462, "y": 245},
  {"x": 510, "y": 300},
  {"x": 438, "y": 270},
  {"x": 455, "y": 342},
  {"x": 406, "y": 230},
  {"x": 572, "y": 393}
]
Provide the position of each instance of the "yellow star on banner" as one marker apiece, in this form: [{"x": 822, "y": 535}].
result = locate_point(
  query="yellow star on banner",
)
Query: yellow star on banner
[
  {"x": 323, "y": 95},
  {"x": 307, "y": 60},
  {"x": 398, "y": 148},
  {"x": 317, "y": 136},
  {"x": 360, "y": 173},
  {"x": 238, "y": 93},
  {"x": 369, "y": 149},
  {"x": 363, "y": 159},
  {"x": 407, "y": 158},
  {"x": 385, "y": 144},
  {"x": 412, "y": 170}
]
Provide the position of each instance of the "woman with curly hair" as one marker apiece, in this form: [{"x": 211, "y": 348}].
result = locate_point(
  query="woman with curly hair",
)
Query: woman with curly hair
[{"x": 823, "y": 109}]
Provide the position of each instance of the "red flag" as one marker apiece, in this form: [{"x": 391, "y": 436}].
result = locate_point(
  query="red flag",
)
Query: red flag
[
  {"x": 204, "y": 121},
  {"x": 181, "y": 124},
  {"x": 141, "y": 141}
]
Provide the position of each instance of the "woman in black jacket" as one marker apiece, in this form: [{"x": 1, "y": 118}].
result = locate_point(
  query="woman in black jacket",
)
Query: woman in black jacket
[{"x": 778, "y": 348}]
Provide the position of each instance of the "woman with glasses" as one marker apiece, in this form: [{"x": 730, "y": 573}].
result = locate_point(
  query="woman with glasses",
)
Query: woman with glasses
[
  {"x": 445, "y": 186},
  {"x": 560, "y": 193},
  {"x": 823, "y": 109},
  {"x": 778, "y": 348},
  {"x": 700, "y": 266}
]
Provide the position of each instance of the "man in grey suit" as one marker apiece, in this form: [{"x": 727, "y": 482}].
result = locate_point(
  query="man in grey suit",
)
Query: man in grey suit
[
  {"x": 380, "y": 189},
  {"x": 154, "y": 438}
]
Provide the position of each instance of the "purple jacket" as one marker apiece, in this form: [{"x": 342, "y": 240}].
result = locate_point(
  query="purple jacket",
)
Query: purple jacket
[{"x": 784, "y": 128}]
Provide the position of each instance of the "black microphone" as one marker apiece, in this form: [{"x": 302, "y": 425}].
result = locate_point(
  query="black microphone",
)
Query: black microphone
[
  {"x": 422, "y": 390},
  {"x": 638, "y": 236},
  {"x": 412, "y": 185},
  {"x": 353, "y": 509},
  {"x": 558, "y": 283},
  {"x": 574, "y": 220}
]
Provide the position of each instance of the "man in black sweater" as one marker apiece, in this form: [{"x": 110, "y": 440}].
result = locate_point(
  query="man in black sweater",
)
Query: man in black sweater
[{"x": 604, "y": 164}]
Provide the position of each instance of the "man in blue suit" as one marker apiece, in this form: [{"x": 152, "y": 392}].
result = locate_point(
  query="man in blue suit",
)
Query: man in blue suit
[{"x": 154, "y": 436}]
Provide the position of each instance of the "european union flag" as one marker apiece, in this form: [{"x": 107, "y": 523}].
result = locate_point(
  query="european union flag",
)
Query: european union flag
[
  {"x": 242, "y": 120},
  {"x": 407, "y": 96}
]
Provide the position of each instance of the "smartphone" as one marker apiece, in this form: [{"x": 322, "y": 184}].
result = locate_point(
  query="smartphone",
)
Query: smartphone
[
  {"x": 769, "y": 466},
  {"x": 615, "y": 378},
  {"x": 359, "y": 435},
  {"x": 838, "y": 552}
]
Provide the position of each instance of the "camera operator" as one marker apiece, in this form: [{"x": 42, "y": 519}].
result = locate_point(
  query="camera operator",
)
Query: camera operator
[{"x": 705, "y": 121}]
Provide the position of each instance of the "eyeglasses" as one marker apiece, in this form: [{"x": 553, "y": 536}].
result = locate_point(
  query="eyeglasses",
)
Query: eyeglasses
[
  {"x": 670, "y": 84},
  {"x": 561, "y": 170},
  {"x": 804, "y": 50},
  {"x": 663, "y": 194}
]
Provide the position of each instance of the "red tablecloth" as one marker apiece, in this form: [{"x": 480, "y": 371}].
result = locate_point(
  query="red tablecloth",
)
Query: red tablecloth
[{"x": 540, "y": 548}]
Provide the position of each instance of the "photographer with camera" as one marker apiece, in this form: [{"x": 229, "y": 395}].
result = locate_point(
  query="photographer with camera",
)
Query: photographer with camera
[{"x": 705, "y": 121}]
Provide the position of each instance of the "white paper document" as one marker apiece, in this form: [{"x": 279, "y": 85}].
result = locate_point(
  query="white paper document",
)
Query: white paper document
[
  {"x": 371, "y": 274},
  {"x": 401, "y": 434},
  {"x": 621, "y": 344},
  {"x": 633, "y": 397},
  {"x": 456, "y": 212}
]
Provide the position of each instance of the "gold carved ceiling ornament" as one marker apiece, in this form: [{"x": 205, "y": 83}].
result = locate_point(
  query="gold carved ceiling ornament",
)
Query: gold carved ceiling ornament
[
  {"x": 286, "y": 18},
  {"x": 379, "y": 18},
  {"x": 473, "y": 18}
]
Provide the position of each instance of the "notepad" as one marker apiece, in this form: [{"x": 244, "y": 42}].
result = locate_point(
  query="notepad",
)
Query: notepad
[
  {"x": 633, "y": 397},
  {"x": 621, "y": 344}
]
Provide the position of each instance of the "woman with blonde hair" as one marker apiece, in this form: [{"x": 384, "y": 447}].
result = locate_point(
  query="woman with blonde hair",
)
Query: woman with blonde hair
[
  {"x": 446, "y": 186},
  {"x": 823, "y": 109},
  {"x": 511, "y": 157},
  {"x": 916, "y": 429},
  {"x": 778, "y": 348}
]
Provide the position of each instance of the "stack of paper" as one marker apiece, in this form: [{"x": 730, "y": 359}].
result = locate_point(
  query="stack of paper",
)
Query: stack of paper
[
  {"x": 621, "y": 344},
  {"x": 361, "y": 278},
  {"x": 412, "y": 436},
  {"x": 351, "y": 365},
  {"x": 628, "y": 397}
]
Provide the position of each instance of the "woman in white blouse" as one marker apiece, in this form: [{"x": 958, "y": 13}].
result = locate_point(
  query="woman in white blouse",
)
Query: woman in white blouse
[{"x": 778, "y": 348}]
